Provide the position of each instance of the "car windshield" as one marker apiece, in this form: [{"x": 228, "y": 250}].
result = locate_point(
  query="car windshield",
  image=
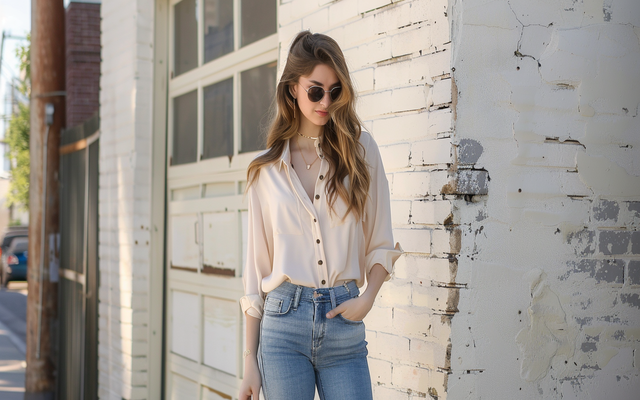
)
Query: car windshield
[
  {"x": 19, "y": 247},
  {"x": 9, "y": 239}
]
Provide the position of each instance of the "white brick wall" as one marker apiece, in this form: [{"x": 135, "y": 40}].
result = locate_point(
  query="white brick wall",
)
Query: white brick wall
[
  {"x": 399, "y": 57},
  {"x": 125, "y": 111},
  {"x": 547, "y": 104}
]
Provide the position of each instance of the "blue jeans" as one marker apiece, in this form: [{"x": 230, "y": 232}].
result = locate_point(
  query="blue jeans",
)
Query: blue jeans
[{"x": 301, "y": 348}]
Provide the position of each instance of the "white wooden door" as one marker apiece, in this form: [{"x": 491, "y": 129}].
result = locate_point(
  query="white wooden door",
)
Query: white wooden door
[{"x": 221, "y": 81}]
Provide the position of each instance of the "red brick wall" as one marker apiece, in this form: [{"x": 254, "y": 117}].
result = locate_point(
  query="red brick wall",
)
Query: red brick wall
[{"x": 83, "y": 61}]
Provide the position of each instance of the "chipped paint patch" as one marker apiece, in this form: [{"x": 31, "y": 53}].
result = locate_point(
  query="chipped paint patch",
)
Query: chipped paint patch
[
  {"x": 548, "y": 334},
  {"x": 469, "y": 151}
]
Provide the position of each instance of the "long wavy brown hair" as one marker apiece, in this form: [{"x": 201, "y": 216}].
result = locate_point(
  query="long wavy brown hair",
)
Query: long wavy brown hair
[{"x": 340, "y": 144}]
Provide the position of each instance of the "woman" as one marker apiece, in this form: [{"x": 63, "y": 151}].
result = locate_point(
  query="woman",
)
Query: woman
[{"x": 319, "y": 224}]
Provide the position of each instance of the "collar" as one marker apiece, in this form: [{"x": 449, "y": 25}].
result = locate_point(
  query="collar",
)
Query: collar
[{"x": 285, "y": 158}]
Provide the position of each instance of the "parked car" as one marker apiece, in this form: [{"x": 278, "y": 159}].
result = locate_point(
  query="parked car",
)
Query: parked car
[
  {"x": 14, "y": 261},
  {"x": 11, "y": 233}
]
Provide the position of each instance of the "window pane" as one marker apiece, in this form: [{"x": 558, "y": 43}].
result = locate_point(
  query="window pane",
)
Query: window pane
[
  {"x": 218, "y": 28},
  {"x": 258, "y": 19},
  {"x": 218, "y": 120},
  {"x": 185, "y": 128},
  {"x": 258, "y": 91},
  {"x": 185, "y": 37}
]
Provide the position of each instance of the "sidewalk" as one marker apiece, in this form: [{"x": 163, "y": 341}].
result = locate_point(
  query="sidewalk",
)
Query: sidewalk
[
  {"x": 12, "y": 365},
  {"x": 13, "y": 332}
]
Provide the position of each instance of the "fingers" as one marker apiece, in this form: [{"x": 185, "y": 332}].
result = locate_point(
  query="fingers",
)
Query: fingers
[{"x": 338, "y": 310}]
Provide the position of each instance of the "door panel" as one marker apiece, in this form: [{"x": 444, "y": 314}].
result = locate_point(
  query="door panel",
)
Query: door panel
[
  {"x": 185, "y": 317},
  {"x": 220, "y": 334},
  {"x": 185, "y": 251},
  {"x": 220, "y": 243}
]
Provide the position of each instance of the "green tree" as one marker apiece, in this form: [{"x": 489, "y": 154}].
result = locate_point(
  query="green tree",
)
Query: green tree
[{"x": 17, "y": 136}]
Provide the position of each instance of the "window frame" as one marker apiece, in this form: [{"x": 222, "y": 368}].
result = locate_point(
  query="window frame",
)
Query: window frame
[{"x": 230, "y": 65}]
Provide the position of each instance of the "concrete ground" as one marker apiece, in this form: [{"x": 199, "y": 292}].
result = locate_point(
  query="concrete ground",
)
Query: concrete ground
[{"x": 13, "y": 304}]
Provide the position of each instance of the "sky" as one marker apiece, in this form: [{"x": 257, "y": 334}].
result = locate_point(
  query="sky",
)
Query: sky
[{"x": 15, "y": 19}]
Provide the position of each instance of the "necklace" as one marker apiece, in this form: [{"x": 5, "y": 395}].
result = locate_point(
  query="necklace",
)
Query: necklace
[
  {"x": 308, "y": 137},
  {"x": 305, "y": 161}
]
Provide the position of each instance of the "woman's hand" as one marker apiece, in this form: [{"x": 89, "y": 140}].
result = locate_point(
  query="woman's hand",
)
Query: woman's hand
[
  {"x": 354, "y": 309},
  {"x": 358, "y": 308},
  {"x": 251, "y": 383}
]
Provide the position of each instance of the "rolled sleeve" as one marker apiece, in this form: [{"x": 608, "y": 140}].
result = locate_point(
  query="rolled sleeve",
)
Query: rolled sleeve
[
  {"x": 377, "y": 222},
  {"x": 252, "y": 305},
  {"x": 258, "y": 259}
]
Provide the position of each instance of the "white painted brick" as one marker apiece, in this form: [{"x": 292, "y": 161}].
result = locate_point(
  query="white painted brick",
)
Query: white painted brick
[
  {"x": 317, "y": 21},
  {"x": 440, "y": 121},
  {"x": 338, "y": 35},
  {"x": 419, "y": 184},
  {"x": 440, "y": 241},
  {"x": 374, "y": 104},
  {"x": 380, "y": 371},
  {"x": 413, "y": 240},
  {"x": 436, "y": 64},
  {"x": 400, "y": 211},
  {"x": 439, "y": 34},
  {"x": 395, "y": 292},
  {"x": 388, "y": 393},
  {"x": 358, "y": 32},
  {"x": 394, "y": 17},
  {"x": 430, "y": 212},
  {"x": 303, "y": 8},
  {"x": 432, "y": 297},
  {"x": 285, "y": 15},
  {"x": 411, "y": 40},
  {"x": 395, "y": 156},
  {"x": 408, "y": 98},
  {"x": 375, "y": 51},
  {"x": 363, "y": 80},
  {"x": 411, "y": 184},
  {"x": 369, "y": 5},
  {"x": 343, "y": 11},
  {"x": 430, "y": 353},
  {"x": 431, "y": 152},
  {"x": 415, "y": 322},
  {"x": 440, "y": 93},
  {"x": 379, "y": 319},
  {"x": 400, "y": 128},
  {"x": 286, "y": 34},
  {"x": 414, "y": 378},
  {"x": 393, "y": 347},
  {"x": 391, "y": 75}
]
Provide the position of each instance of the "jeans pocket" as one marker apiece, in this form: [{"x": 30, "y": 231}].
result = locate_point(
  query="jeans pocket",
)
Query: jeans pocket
[
  {"x": 276, "y": 306},
  {"x": 348, "y": 321}
]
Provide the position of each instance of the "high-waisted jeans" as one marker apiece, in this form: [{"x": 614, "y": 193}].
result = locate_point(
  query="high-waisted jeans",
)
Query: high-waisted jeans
[{"x": 301, "y": 348}]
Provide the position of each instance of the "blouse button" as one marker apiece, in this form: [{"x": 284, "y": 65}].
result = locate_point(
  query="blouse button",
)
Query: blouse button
[
  {"x": 324, "y": 282},
  {"x": 319, "y": 262},
  {"x": 317, "y": 240},
  {"x": 317, "y": 196},
  {"x": 321, "y": 177},
  {"x": 315, "y": 220}
]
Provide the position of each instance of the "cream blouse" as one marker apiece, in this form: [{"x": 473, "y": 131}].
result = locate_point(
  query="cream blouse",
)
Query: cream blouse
[{"x": 296, "y": 239}]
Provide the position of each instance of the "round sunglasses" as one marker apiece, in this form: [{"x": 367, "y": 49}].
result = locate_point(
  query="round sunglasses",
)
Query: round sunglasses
[{"x": 316, "y": 93}]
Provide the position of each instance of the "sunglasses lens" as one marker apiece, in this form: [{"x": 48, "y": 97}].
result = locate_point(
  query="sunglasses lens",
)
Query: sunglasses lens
[
  {"x": 315, "y": 93},
  {"x": 335, "y": 93}
]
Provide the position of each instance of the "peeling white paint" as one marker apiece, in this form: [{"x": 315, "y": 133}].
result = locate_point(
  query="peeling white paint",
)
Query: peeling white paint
[
  {"x": 605, "y": 176},
  {"x": 550, "y": 91},
  {"x": 548, "y": 334}
]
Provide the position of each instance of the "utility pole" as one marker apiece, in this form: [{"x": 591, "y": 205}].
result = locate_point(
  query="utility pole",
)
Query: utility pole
[{"x": 47, "y": 120}]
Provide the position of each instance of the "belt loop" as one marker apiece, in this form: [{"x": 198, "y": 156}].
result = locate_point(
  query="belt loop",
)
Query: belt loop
[
  {"x": 346, "y": 286},
  {"x": 333, "y": 298},
  {"x": 296, "y": 297}
]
